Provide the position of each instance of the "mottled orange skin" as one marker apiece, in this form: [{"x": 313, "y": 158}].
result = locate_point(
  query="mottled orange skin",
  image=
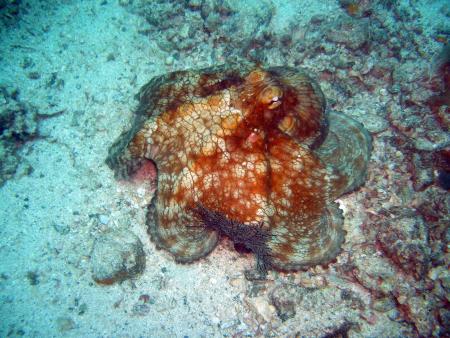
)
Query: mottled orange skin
[{"x": 239, "y": 142}]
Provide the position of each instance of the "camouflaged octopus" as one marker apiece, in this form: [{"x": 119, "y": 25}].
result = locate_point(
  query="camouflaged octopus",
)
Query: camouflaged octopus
[{"x": 246, "y": 152}]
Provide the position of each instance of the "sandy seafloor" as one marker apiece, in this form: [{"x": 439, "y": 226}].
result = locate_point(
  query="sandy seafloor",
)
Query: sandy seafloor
[{"x": 63, "y": 196}]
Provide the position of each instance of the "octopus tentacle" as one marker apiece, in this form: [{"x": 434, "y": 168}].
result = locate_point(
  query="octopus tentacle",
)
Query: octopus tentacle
[
  {"x": 347, "y": 150},
  {"x": 302, "y": 229},
  {"x": 174, "y": 228}
]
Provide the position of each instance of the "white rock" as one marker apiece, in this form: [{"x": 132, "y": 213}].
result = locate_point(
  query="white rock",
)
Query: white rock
[{"x": 261, "y": 306}]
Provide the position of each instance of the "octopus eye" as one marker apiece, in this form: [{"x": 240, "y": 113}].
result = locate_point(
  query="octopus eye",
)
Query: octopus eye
[{"x": 271, "y": 97}]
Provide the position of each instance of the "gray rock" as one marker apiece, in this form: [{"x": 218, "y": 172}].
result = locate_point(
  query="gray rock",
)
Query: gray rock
[
  {"x": 407, "y": 72},
  {"x": 18, "y": 124},
  {"x": 431, "y": 140},
  {"x": 103, "y": 219},
  {"x": 141, "y": 309},
  {"x": 194, "y": 4},
  {"x": 61, "y": 228},
  {"x": 423, "y": 171},
  {"x": 374, "y": 121},
  {"x": 393, "y": 314},
  {"x": 349, "y": 32},
  {"x": 444, "y": 315},
  {"x": 421, "y": 313},
  {"x": 9, "y": 161},
  {"x": 383, "y": 304},
  {"x": 285, "y": 298},
  {"x": 341, "y": 61},
  {"x": 117, "y": 255},
  {"x": 190, "y": 24},
  {"x": 65, "y": 324},
  {"x": 404, "y": 240}
]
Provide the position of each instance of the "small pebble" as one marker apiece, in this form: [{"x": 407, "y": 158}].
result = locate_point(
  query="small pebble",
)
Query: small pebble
[
  {"x": 227, "y": 325},
  {"x": 103, "y": 219},
  {"x": 261, "y": 306},
  {"x": 236, "y": 282},
  {"x": 383, "y": 304},
  {"x": 61, "y": 228},
  {"x": 65, "y": 324},
  {"x": 169, "y": 60},
  {"x": 393, "y": 314},
  {"x": 34, "y": 75},
  {"x": 141, "y": 309}
]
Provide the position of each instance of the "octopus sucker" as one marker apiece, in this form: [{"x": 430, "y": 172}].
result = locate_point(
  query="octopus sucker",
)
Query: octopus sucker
[{"x": 246, "y": 152}]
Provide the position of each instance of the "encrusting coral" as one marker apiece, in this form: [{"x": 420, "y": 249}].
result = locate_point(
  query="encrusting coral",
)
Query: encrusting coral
[{"x": 246, "y": 152}]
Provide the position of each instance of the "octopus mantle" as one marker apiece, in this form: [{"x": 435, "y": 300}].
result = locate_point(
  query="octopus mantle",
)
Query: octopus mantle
[{"x": 249, "y": 153}]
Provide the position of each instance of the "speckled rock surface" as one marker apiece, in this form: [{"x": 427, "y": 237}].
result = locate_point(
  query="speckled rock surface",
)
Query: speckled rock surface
[
  {"x": 195, "y": 25},
  {"x": 404, "y": 238},
  {"x": 117, "y": 255}
]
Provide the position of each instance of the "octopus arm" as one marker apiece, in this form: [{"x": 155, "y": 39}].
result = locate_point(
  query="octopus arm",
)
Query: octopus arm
[
  {"x": 346, "y": 150},
  {"x": 121, "y": 158},
  {"x": 173, "y": 226},
  {"x": 307, "y": 226},
  {"x": 300, "y": 249}
]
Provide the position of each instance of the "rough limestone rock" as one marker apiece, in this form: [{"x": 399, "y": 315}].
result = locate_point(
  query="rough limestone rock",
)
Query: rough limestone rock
[{"x": 117, "y": 255}]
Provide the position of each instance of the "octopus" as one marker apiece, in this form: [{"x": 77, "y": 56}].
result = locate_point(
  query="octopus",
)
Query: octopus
[{"x": 249, "y": 153}]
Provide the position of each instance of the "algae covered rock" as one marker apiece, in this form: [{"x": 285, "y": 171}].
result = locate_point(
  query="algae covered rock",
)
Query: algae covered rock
[
  {"x": 18, "y": 124},
  {"x": 405, "y": 240},
  {"x": 117, "y": 255},
  {"x": 189, "y": 25}
]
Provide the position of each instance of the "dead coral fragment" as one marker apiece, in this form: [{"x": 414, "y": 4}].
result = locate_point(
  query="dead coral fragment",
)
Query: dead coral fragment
[{"x": 243, "y": 151}]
